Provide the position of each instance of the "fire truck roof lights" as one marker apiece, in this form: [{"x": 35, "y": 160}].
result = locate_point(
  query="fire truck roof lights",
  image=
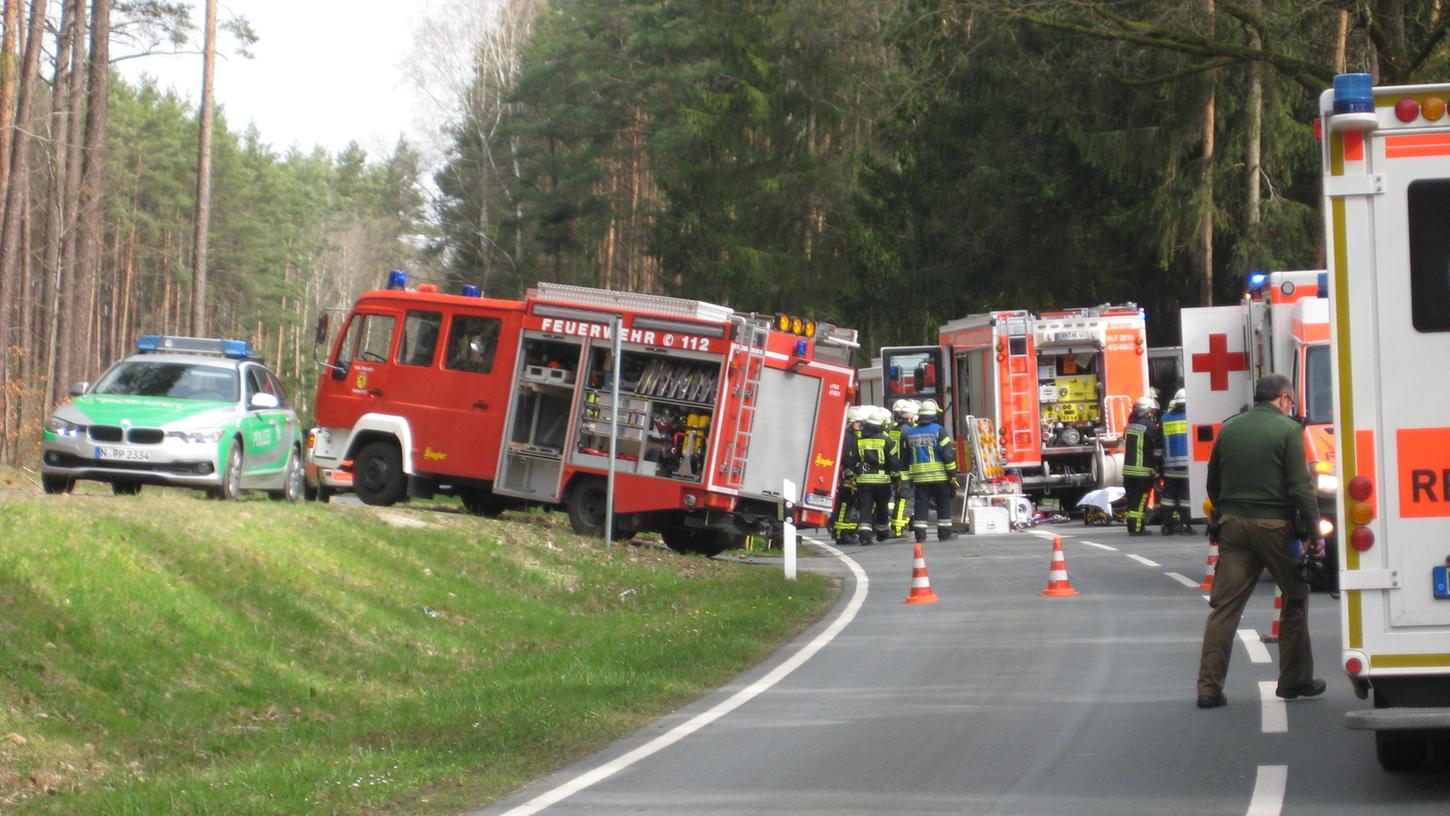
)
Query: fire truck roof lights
[
  {"x": 233, "y": 349},
  {"x": 397, "y": 279},
  {"x": 795, "y": 324},
  {"x": 1257, "y": 279},
  {"x": 469, "y": 290}
]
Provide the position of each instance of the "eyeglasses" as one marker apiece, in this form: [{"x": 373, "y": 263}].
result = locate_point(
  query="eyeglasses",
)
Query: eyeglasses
[{"x": 1289, "y": 397}]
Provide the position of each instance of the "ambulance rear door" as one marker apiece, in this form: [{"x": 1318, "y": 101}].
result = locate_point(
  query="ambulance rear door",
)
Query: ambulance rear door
[
  {"x": 1404, "y": 394},
  {"x": 1216, "y": 383}
]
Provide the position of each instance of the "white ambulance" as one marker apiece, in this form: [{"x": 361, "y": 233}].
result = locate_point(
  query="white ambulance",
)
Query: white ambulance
[{"x": 1386, "y": 154}]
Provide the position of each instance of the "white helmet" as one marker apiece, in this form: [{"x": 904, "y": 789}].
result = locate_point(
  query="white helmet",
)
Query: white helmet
[
  {"x": 885, "y": 415},
  {"x": 928, "y": 408},
  {"x": 855, "y": 413},
  {"x": 1147, "y": 404},
  {"x": 1179, "y": 398},
  {"x": 904, "y": 407},
  {"x": 872, "y": 415}
]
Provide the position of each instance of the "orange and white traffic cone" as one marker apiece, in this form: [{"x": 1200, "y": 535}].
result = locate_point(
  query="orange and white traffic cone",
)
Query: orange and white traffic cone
[
  {"x": 1212, "y": 565},
  {"x": 1057, "y": 584},
  {"x": 1273, "y": 636},
  {"x": 920, "y": 583}
]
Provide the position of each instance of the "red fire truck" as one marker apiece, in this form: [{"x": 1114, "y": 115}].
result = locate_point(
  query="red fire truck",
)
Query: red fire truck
[
  {"x": 506, "y": 402},
  {"x": 1057, "y": 386}
]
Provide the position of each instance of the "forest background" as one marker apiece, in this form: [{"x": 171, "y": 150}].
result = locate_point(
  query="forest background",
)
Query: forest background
[{"x": 882, "y": 164}]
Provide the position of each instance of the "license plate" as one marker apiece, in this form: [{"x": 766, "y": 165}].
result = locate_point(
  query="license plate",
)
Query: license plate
[
  {"x": 1442, "y": 582},
  {"x": 124, "y": 454},
  {"x": 817, "y": 500},
  {"x": 1050, "y": 503}
]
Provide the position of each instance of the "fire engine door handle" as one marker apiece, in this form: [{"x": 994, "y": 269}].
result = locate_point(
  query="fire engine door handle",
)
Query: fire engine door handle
[
  {"x": 375, "y": 392},
  {"x": 482, "y": 406}
]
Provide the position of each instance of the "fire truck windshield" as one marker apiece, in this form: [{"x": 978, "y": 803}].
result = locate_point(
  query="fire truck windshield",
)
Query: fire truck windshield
[{"x": 1318, "y": 404}]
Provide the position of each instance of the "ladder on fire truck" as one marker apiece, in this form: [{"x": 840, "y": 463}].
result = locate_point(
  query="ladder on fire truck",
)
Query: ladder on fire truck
[{"x": 745, "y": 394}]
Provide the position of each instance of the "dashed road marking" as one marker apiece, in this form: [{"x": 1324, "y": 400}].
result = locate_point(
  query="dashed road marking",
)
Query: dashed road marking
[
  {"x": 1273, "y": 716},
  {"x": 1258, "y": 652},
  {"x": 1269, "y": 788},
  {"x": 1099, "y": 546},
  {"x": 1183, "y": 579},
  {"x": 1147, "y": 562}
]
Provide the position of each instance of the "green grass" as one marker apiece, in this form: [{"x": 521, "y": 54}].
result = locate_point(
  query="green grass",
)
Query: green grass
[{"x": 168, "y": 654}]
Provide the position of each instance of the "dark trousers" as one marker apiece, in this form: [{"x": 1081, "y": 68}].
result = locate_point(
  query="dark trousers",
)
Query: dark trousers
[
  {"x": 1176, "y": 512},
  {"x": 1137, "y": 488},
  {"x": 873, "y": 511},
  {"x": 1246, "y": 547},
  {"x": 928, "y": 494}
]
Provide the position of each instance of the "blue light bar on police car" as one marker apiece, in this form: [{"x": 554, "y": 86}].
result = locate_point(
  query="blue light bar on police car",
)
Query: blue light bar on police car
[{"x": 234, "y": 349}]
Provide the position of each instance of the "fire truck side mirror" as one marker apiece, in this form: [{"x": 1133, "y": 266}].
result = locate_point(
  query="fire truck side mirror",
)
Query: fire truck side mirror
[{"x": 321, "y": 335}]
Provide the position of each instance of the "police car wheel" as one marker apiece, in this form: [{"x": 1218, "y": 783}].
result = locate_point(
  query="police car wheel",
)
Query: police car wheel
[
  {"x": 56, "y": 485},
  {"x": 231, "y": 487},
  {"x": 293, "y": 481}
]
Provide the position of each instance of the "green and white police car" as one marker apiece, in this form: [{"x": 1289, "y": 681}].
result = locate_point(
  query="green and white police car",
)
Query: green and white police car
[{"x": 182, "y": 411}]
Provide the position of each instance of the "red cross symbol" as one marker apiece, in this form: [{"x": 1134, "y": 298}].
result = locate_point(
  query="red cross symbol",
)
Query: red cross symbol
[{"x": 1219, "y": 361}]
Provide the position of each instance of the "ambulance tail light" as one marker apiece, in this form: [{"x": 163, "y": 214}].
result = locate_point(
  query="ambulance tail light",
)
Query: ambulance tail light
[
  {"x": 1325, "y": 482},
  {"x": 1360, "y": 512},
  {"x": 1355, "y": 664}
]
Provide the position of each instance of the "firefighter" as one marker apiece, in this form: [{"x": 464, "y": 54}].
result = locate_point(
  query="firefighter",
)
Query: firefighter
[
  {"x": 874, "y": 463},
  {"x": 903, "y": 413},
  {"x": 843, "y": 524},
  {"x": 931, "y": 464},
  {"x": 1176, "y": 513},
  {"x": 1142, "y": 460}
]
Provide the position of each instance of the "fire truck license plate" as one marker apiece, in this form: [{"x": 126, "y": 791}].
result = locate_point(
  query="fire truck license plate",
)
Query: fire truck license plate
[{"x": 1442, "y": 583}]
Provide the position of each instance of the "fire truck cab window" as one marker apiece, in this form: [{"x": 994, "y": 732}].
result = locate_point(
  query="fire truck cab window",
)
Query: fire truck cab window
[
  {"x": 1428, "y": 201},
  {"x": 472, "y": 341},
  {"x": 420, "y": 338},
  {"x": 369, "y": 336},
  {"x": 1318, "y": 404}
]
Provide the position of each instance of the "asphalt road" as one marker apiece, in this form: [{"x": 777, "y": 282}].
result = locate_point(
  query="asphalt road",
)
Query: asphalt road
[{"x": 999, "y": 700}]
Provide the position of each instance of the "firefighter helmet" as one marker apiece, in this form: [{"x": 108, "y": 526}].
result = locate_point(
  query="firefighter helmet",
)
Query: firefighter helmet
[
  {"x": 874, "y": 416},
  {"x": 928, "y": 408},
  {"x": 904, "y": 407},
  {"x": 855, "y": 413},
  {"x": 1147, "y": 404},
  {"x": 1179, "y": 398}
]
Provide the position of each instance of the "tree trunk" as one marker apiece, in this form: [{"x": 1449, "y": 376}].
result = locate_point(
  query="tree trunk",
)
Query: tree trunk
[
  {"x": 1253, "y": 132},
  {"x": 9, "y": 51},
  {"x": 92, "y": 187},
  {"x": 203, "y": 178},
  {"x": 1341, "y": 42},
  {"x": 56, "y": 222},
  {"x": 1205, "y": 285}
]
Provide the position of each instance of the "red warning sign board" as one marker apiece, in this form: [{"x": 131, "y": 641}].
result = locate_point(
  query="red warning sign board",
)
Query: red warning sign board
[{"x": 1424, "y": 471}]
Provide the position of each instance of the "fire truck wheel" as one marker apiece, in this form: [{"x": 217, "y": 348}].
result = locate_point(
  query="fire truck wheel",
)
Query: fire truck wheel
[
  {"x": 482, "y": 503},
  {"x": 378, "y": 473},
  {"x": 1398, "y": 753},
  {"x": 587, "y": 501}
]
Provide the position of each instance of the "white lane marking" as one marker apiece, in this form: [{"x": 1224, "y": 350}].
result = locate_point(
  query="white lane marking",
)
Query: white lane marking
[
  {"x": 1183, "y": 579},
  {"x": 1147, "y": 562},
  {"x": 1258, "y": 652},
  {"x": 1206, "y": 598},
  {"x": 1269, "y": 788},
  {"x": 699, "y": 721},
  {"x": 1044, "y": 534},
  {"x": 1274, "y": 717},
  {"x": 1099, "y": 546}
]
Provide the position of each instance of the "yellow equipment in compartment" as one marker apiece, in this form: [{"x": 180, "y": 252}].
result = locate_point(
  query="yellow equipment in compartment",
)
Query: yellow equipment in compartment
[{"x": 1077, "y": 400}]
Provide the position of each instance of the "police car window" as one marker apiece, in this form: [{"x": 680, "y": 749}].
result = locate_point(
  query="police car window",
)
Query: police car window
[
  {"x": 420, "y": 338},
  {"x": 472, "y": 341},
  {"x": 179, "y": 380},
  {"x": 275, "y": 388},
  {"x": 1428, "y": 201},
  {"x": 255, "y": 382}
]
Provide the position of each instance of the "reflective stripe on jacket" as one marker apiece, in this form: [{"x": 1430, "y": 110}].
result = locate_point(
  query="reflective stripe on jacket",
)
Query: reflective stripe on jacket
[{"x": 930, "y": 453}]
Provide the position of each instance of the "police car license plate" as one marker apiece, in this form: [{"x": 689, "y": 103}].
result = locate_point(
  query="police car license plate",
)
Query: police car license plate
[
  {"x": 124, "y": 454},
  {"x": 1442, "y": 583}
]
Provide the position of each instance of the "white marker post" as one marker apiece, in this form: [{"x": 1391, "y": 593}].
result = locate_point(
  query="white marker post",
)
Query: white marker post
[
  {"x": 787, "y": 543},
  {"x": 616, "y": 330}
]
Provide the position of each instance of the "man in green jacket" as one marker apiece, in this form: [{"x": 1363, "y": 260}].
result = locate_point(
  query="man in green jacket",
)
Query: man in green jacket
[{"x": 1257, "y": 483}]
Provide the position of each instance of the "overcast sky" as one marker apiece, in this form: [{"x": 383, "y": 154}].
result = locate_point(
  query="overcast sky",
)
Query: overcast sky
[{"x": 323, "y": 72}]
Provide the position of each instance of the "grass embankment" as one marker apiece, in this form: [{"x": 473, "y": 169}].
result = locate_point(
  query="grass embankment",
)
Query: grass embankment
[{"x": 167, "y": 654}]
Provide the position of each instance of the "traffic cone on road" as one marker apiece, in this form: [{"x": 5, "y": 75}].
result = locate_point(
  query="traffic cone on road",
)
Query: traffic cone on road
[
  {"x": 1057, "y": 584},
  {"x": 1212, "y": 565},
  {"x": 920, "y": 583},
  {"x": 1273, "y": 636}
]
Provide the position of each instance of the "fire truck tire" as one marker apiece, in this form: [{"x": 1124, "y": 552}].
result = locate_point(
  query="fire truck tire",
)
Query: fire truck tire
[
  {"x": 1397, "y": 753},
  {"x": 378, "y": 474},
  {"x": 482, "y": 503},
  {"x": 587, "y": 504}
]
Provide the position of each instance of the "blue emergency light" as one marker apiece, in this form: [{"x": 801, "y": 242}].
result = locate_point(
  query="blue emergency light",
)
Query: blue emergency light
[
  {"x": 801, "y": 348},
  {"x": 1353, "y": 93},
  {"x": 469, "y": 290},
  {"x": 1256, "y": 280},
  {"x": 397, "y": 279},
  {"x": 234, "y": 349},
  {"x": 1323, "y": 281}
]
